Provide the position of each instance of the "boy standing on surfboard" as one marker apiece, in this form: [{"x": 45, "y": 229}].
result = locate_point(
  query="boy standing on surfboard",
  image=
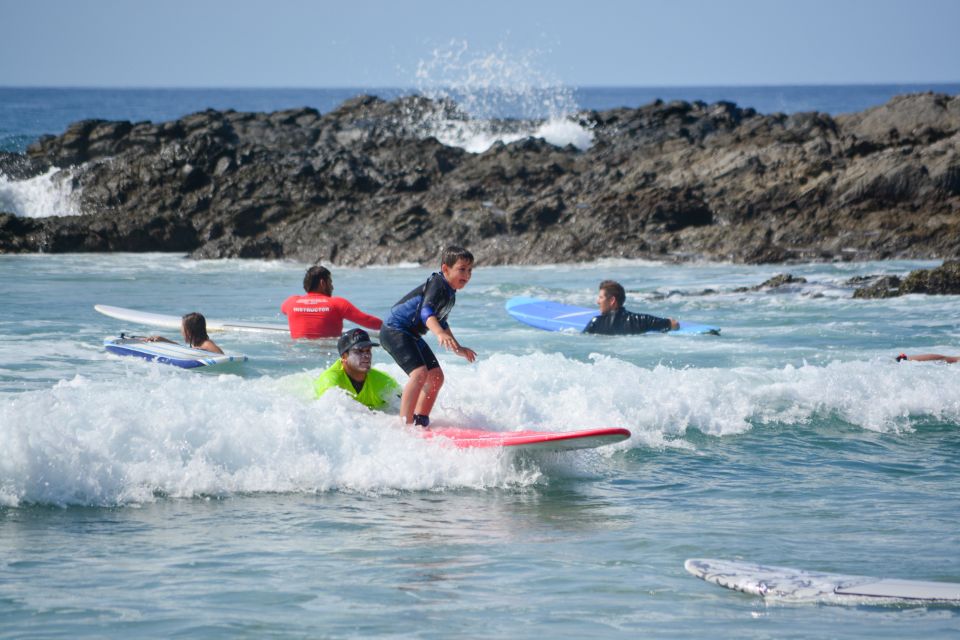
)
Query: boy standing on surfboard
[{"x": 426, "y": 309}]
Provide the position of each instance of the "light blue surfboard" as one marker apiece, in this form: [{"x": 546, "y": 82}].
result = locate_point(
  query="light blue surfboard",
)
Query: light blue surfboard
[{"x": 555, "y": 316}]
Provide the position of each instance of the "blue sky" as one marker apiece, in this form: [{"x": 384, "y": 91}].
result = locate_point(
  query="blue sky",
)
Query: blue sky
[{"x": 373, "y": 43}]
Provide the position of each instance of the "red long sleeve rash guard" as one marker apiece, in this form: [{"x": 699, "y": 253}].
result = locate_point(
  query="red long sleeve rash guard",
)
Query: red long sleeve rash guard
[{"x": 314, "y": 315}]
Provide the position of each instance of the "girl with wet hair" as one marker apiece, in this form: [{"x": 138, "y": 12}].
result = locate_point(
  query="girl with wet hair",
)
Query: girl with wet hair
[{"x": 193, "y": 327}]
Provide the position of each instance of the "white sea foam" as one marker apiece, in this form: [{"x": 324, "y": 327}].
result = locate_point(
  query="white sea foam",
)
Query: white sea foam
[
  {"x": 565, "y": 131},
  {"x": 659, "y": 404},
  {"x": 49, "y": 194},
  {"x": 476, "y": 136},
  {"x": 391, "y": 267},
  {"x": 158, "y": 431},
  {"x": 230, "y": 264}
]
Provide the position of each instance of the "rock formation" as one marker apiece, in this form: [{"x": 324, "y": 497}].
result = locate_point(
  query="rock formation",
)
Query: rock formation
[
  {"x": 365, "y": 185},
  {"x": 943, "y": 280}
]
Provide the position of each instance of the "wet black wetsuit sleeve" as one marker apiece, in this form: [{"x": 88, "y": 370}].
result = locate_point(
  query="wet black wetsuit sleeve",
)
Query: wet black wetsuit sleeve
[
  {"x": 623, "y": 322},
  {"x": 434, "y": 293},
  {"x": 438, "y": 295}
]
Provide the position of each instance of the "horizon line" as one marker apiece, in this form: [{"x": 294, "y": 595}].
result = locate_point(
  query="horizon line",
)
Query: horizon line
[{"x": 420, "y": 90}]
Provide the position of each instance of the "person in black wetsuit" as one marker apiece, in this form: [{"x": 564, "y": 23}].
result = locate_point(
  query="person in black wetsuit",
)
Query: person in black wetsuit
[
  {"x": 423, "y": 310},
  {"x": 615, "y": 320}
]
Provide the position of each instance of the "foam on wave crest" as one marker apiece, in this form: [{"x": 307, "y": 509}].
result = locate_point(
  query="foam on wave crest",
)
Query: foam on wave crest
[
  {"x": 659, "y": 404},
  {"x": 156, "y": 431},
  {"x": 46, "y": 195}
]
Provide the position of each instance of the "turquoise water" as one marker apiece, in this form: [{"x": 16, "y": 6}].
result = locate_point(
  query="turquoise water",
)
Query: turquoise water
[{"x": 143, "y": 500}]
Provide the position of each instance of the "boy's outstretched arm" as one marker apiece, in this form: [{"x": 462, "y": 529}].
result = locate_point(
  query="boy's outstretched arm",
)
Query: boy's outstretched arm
[{"x": 447, "y": 340}]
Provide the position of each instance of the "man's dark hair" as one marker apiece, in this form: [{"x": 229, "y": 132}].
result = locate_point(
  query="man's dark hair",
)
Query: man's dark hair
[
  {"x": 615, "y": 289},
  {"x": 314, "y": 276},
  {"x": 453, "y": 253},
  {"x": 195, "y": 329}
]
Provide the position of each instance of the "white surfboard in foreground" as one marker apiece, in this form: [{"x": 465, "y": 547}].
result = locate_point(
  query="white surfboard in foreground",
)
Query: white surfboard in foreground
[{"x": 797, "y": 585}]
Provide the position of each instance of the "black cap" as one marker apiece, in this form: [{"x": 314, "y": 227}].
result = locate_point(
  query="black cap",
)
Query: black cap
[{"x": 354, "y": 338}]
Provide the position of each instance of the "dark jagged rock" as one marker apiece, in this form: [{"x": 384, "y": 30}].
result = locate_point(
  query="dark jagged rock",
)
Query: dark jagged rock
[
  {"x": 17, "y": 234},
  {"x": 776, "y": 282},
  {"x": 881, "y": 287},
  {"x": 781, "y": 280},
  {"x": 16, "y": 166},
  {"x": 366, "y": 183},
  {"x": 943, "y": 280}
]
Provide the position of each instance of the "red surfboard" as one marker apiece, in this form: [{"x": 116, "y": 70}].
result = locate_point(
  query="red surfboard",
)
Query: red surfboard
[{"x": 528, "y": 440}]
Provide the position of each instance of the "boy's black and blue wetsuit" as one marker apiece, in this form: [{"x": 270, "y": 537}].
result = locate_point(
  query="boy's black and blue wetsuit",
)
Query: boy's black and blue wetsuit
[
  {"x": 401, "y": 333},
  {"x": 623, "y": 322}
]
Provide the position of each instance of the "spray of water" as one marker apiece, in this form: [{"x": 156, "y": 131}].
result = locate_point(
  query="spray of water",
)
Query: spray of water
[
  {"x": 501, "y": 96},
  {"x": 49, "y": 194}
]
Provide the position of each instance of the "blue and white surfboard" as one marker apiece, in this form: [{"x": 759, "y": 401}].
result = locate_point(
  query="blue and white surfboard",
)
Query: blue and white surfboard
[{"x": 167, "y": 353}]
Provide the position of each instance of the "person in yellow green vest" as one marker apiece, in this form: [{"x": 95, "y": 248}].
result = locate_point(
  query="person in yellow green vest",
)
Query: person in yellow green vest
[{"x": 352, "y": 372}]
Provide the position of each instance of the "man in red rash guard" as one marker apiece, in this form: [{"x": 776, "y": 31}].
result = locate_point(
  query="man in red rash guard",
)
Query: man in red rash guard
[{"x": 317, "y": 314}]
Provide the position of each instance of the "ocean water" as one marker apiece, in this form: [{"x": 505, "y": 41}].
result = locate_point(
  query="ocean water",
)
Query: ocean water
[{"x": 145, "y": 500}]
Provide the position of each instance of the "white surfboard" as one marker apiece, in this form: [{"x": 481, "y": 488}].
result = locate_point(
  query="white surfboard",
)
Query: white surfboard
[
  {"x": 784, "y": 583},
  {"x": 173, "y": 322}
]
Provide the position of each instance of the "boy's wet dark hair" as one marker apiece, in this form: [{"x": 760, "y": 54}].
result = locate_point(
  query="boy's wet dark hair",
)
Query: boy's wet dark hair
[
  {"x": 195, "y": 329},
  {"x": 453, "y": 253},
  {"x": 614, "y": 289},
  {"x": 314, "y": 277}
]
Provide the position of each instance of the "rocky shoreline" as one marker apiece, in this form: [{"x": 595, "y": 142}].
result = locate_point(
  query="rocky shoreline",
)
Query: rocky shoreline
[{"x": 364, "y": 185}]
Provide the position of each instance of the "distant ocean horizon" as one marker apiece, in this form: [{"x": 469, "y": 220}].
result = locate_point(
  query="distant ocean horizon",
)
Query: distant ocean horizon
[{"x": 26, "y": 113}]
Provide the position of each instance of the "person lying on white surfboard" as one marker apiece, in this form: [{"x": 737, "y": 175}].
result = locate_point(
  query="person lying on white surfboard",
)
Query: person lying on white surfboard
[
  {"x": 193, "y": 328},
  {"x": 615, "y": 320}
]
